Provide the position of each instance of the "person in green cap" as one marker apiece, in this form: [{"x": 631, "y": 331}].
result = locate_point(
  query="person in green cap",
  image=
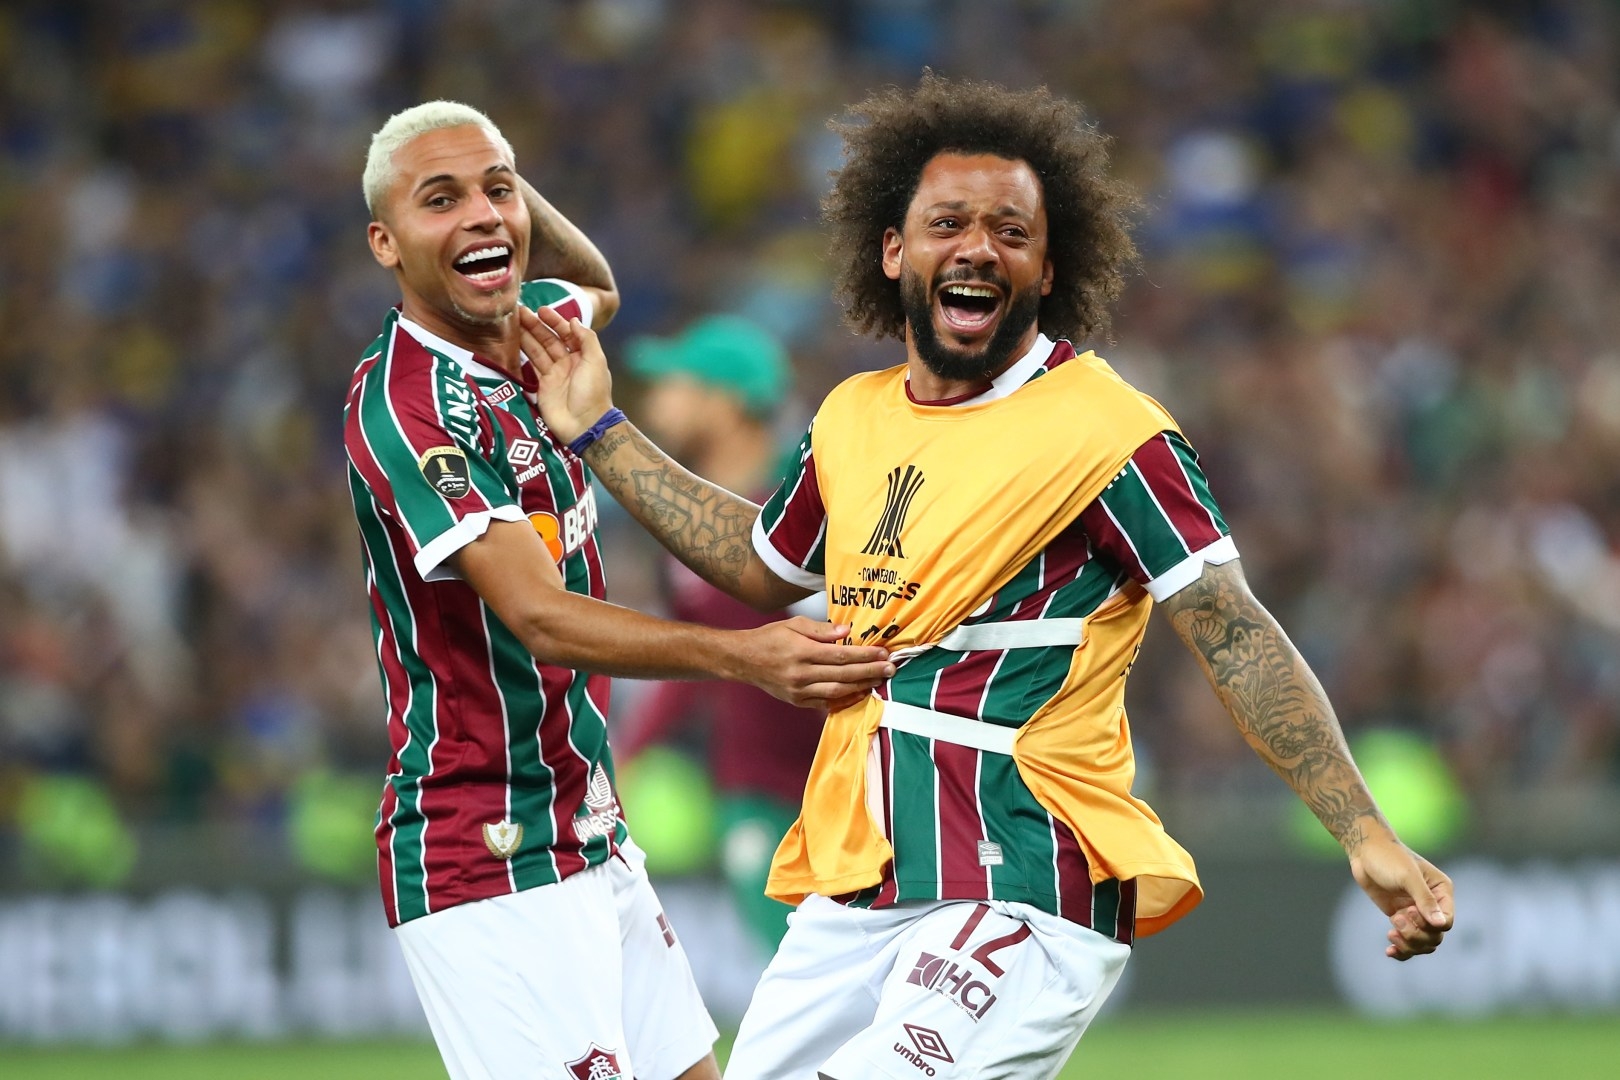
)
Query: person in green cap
[{"x": 713, "y": 391}]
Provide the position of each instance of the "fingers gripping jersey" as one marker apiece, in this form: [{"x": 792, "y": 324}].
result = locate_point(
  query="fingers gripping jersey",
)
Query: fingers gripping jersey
[
  {"x": 500, "y": 778},
  {"x": 1061, "y": 495}
]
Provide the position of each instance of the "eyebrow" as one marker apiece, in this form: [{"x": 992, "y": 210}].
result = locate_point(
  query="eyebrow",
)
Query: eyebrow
[
  {"x": 958, "y": 205},
  {"x": 499, "y": 166}
]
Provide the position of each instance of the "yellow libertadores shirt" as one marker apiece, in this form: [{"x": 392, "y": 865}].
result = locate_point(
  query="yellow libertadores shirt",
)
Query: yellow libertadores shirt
[{"x": 1062, "y": 493}]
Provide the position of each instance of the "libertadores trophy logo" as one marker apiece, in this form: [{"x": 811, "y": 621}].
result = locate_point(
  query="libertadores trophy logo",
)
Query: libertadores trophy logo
[{"x": 903, "y": 484}]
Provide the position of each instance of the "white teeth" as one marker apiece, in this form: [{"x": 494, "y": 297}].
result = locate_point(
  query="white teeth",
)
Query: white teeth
[
  {"x": 484, "y": 253},
  {"x": 971, "y": 290}
]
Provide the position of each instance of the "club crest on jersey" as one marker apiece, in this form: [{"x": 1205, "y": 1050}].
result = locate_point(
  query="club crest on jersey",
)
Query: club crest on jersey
[
  {"x": 904, "y": 482},
  {"x": 597, "y": 1064},
  {"x": 446, "y": 469},
  {"x": 503, "y": 838}
]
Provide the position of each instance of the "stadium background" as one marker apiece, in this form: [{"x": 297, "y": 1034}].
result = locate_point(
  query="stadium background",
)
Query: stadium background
[{"x": 1382, "y": 295}]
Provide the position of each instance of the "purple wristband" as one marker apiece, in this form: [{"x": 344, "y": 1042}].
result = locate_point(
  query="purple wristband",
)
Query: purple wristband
[{"x": 596, "y": 431}]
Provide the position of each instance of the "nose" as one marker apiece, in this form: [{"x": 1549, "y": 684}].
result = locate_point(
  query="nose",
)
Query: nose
[
  {"x": 975, "y": 247},
  {"x": 482, "y": 213}
]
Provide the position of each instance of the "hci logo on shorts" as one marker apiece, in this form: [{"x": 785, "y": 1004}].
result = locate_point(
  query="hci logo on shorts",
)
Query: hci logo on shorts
[
  {"x": 925, "y": 1043},
  {"x": 597, "y": 1064}
]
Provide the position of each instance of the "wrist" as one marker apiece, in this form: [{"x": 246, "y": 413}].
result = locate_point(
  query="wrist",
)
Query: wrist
[{"x": 591, "y": 435}]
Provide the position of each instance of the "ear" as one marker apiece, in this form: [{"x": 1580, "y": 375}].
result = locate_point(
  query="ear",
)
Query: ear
[
  {"x": 893, "y": 249},
  {"x": 383, "y": 248},
  {"x": 1046, "y": 277}
]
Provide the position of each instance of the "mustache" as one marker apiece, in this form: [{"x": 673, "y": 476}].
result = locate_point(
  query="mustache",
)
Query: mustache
[{"x": 967, "y": 276}]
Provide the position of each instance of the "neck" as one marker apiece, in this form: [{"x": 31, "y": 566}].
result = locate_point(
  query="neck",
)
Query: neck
[
  {"x": 927, "y": 386},
  {"x": 494, "y": 343}
]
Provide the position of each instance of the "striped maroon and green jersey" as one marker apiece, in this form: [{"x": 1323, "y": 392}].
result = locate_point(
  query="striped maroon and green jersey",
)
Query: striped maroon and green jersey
[
  {"x": 1155, "y": 524},
  {"x": 500, "y": 777}
]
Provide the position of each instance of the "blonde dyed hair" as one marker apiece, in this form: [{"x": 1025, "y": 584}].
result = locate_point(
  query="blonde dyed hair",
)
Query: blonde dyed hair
[{"x": 404, "y": 126}]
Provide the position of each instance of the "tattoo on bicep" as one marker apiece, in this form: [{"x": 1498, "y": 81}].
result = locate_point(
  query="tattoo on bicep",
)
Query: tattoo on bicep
[
  {"x": 1278, "y": 705},
  {"x": 706, "y": 527}
]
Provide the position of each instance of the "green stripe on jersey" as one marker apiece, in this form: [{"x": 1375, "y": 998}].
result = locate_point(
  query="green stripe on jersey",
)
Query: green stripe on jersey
[
  {"x": 1155, "y": 540},
  {"x": 1015, "y": 820},
  {"x": 913, "y": 796},
  {"x": 540, "y": 293},
  {"x": 1195, "y": 477},
  {"x": 771, "y": 513},
  {"x": 410, "y": 880},
  {"x": 523, "y": 709}
]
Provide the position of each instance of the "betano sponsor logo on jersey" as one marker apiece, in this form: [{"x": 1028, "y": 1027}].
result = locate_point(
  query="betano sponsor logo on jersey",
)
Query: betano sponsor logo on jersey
[{"x": 567, "y": 536}]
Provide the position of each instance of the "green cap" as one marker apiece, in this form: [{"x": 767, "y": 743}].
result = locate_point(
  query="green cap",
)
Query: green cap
[{"x": 725, "y": 351}]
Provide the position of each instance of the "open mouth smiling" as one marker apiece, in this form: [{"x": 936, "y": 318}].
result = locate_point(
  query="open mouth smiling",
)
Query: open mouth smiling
[
  {"x": 968, "y": 308},
  {"x": 487, "y": 264}
]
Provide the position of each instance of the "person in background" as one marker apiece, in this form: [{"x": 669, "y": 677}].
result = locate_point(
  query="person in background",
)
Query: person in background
[{"x": 713, "y": 393}]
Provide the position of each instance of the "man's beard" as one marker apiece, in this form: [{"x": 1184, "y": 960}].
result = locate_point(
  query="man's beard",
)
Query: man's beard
[
  {"x": 949, "y": 362},
  {"x": 499, "y": 316}
]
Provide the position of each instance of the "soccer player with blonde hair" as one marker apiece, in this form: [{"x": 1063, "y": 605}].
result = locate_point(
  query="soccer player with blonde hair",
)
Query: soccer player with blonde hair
[{"x": 534, "y": 939}]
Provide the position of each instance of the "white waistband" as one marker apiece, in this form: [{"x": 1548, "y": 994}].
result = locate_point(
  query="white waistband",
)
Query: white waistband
[
  {"x": 978, "y": 734},
  {"x": 1022, "y": 634}
]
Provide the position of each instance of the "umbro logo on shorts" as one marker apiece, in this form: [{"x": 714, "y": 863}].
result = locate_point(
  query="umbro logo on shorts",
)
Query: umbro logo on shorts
[
  {"x": 925, "y": 1043},
  {"x": 597, "y": 1064}
]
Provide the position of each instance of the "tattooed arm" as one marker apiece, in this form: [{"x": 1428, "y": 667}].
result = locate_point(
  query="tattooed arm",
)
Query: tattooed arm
[
  {"x": 558, "y": 249},
  {"x": 703, "y": 525},
  {"x": 1282, "y": 712}
]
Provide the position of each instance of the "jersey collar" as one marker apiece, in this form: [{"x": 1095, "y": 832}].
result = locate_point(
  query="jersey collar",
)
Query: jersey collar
[
  {"x": 1017, "y": 374},
  {"x": 465, "y": 357}
]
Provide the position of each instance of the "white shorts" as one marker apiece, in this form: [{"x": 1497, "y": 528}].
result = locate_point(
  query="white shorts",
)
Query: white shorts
[
  {"x": 947, "y": 989},
  {"x": 557, "y": 981}
]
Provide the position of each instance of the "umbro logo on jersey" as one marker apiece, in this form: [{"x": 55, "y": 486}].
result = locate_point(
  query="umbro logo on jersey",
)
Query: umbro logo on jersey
[
  {"x": 503, "y": 838},
  {"x": 524, "y": 454},
  {"x": 446, "y": 469},
  {"x": 904, "y": 482},
  {"x": 597, "y": 1064}
]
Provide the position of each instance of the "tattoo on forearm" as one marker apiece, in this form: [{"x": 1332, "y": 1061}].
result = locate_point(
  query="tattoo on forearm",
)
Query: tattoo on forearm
[
  {"x": 1274, "y": 698},
  {"x": 704, "y": 526}
]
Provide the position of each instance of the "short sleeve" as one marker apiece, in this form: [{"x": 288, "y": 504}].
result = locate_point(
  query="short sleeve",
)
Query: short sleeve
[
  {"x": 567, "y": 299},
  {"x": 411, "y": 433},
  {"x": 1157, "y": 519},
  {"x": 790, "y": 533}
]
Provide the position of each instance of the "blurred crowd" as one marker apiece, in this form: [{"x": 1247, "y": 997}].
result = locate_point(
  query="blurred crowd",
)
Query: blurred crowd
[{"x": 1381, "y": 294}]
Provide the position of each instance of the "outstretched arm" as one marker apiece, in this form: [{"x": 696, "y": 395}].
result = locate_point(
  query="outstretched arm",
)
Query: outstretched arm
[
  {"x": 1283, "y": 713},
  {"x": 558, "y": 249},
  {"x": 703, "y": 525},
  {"x": 798, "y": 660}
]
